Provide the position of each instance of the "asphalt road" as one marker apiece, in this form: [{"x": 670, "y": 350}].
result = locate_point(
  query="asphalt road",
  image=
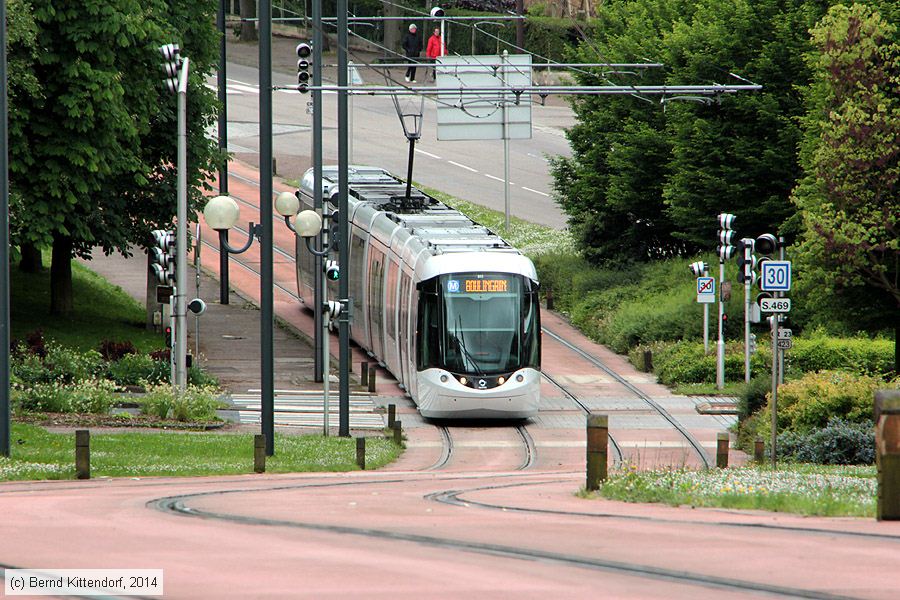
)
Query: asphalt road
[{"x": 472, "y": 170}]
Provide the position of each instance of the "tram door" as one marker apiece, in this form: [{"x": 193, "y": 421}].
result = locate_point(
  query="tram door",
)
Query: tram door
[
  {"x": 376, "y": 301},
  {"x": 404, "y": 328}
]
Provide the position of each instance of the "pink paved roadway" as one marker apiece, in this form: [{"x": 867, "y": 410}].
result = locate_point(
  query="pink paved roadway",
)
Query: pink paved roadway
[{"x": 374, "y": 535}]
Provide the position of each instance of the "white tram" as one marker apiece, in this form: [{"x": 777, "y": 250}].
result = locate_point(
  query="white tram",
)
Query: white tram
[{"x": 447, "y": 306}]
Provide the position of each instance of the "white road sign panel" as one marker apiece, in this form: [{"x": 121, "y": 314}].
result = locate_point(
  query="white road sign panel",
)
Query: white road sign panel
[
  {"x": 706, "y": 290},
  {"x": 775, "y": 305},
  {"x": 775, "y": 276},
  {"x": 785, "y": 334},
  {"x": 785, "y": 344}
]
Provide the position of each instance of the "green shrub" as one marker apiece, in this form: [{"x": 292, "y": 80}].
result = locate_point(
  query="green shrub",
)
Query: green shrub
[
  {"x": 808, "y": 403},
  {"x": 87, "y": 396},
  {"x": 28, "y": 368},
  {"x": 685, "y": 362},
  {"x": 840, "y": 442},
  {"x": 66, "y": 365},
  {"x": 820, "y": 352},
  {"x": 138, "y": 369},
  {"x": 754, "y": 396},
  {"x": 198, "y": 403}
]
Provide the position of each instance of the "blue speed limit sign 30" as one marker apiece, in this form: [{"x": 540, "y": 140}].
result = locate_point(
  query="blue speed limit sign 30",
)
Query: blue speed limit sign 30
[{"x": 775, "y": 276}]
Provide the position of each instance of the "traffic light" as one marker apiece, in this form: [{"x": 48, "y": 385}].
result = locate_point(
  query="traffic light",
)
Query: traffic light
[
  {"x": 332, "y": 309},
  {"x": 334, "y": 231},
  {"x": 766, "y": 244},
  {"x": 699, "y": 268},
  {"x": 168, "y": 333},
  {"x": 163, "y": 254},
  {"x": 726, "y": 235},
  {"x": 304, "y": 66},
  {"x": 746, "y": 261},
  {"x": 332, "y": 270},
  {"x": 172, "y": 62}
]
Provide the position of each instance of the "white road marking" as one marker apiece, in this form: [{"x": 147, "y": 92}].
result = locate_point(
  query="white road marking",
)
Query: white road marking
[
  {"x": 535, "y": 191},
  {"x": 462, "y": 166},
  {"x": 498, "y": 178},
  {"x": 243, "y": 88},
  {"x": 420, "y": 151}
]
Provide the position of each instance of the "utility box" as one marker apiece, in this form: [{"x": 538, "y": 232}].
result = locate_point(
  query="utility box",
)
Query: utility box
[{"x": 887, "y": 453}]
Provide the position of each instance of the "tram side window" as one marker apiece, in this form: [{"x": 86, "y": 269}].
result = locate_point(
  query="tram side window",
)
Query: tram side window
[
  {"x": 531, "y": 332},
  {"x": 429, "y": 327},
  {"x": 357, "y": 257}
]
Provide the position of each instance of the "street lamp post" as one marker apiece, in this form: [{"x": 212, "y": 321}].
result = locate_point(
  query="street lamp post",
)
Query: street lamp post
[{"x": 308, "y": 225}]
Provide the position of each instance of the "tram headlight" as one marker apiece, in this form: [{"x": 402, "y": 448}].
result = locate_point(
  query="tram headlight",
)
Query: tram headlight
[
  {"x": 443, "y": 379},
  {"x": 501, "y": 380},
  {"x": 463, "y": 380},
  {"x": 520, "y": 378}
]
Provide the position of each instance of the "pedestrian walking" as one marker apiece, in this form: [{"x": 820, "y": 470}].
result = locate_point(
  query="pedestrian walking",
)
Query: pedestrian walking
[
  {"x": 435, "y": 49},
  {"x": 412, "y": 48}
]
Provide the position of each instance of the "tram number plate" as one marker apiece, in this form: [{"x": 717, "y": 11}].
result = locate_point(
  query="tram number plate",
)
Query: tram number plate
[{"x": 775, "y": 305}]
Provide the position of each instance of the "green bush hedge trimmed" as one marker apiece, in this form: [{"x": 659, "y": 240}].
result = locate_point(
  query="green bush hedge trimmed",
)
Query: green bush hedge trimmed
[{"x": 838, "y": 443}]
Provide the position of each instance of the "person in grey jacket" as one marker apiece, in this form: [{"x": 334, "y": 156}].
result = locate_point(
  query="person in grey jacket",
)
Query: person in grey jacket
[{"x": 412, "y": 47}]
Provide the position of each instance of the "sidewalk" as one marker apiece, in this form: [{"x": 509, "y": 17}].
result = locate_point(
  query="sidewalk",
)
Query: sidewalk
[{"x": 228, "y": 334}]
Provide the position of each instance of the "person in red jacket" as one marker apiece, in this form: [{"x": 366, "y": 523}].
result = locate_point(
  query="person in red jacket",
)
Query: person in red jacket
[{"x": 435, "y": 48}]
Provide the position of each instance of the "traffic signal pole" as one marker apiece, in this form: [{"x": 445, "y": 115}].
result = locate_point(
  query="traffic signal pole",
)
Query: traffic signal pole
[
  {"x": 181, "y": 235},
  {"x": 720, "y": 344}
]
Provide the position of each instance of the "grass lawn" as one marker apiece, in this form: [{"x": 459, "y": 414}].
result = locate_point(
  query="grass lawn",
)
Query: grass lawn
[
  {"x": 102, "y": 311},
  {"x": 820, "y": 490},
  {"x": 39, "y": 454}
]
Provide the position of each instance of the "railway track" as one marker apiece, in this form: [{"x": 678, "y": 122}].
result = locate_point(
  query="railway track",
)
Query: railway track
[
  {"x": 181, "y": 505},
  {"x": 655, "y": 406}
]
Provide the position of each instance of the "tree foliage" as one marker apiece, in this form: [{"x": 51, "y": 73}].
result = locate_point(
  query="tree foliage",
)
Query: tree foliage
[
  {"x": 646, "y": 179},
  {"x": 851, "y": 156},
  {"x": 93, "y": 155}
]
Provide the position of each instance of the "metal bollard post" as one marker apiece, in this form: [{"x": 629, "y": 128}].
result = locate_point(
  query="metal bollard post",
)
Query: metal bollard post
[
  {"x": 363, "y": 372},
  {"x": 549, "y": 299},
  {"x": 372, "y": 380},
  {"x": 392, "y": 415},
  {"x": 722, "y": 450},
  {"x": 887, "y": 454},
  {"x": 648, "y": 361},
  {"x": 759, "y": 450},
  {"x": 597, "y": 441},
  {"x": 361, "y": 453},
  {"x": 83, "y": 454},
  {"x": 398, "y": 432},
  {"x": 259, "y": 453}
]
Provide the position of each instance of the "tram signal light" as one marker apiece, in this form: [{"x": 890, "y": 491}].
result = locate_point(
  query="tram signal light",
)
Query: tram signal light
[
  {"x": 163, "y": 255},
  {"x": 172, "y": 62},
  {"x": 334, "y": 230},
  {"x": 304, "y": 66},
  {"x": 753, "y": 346},
  {"x": 699, "y": 268},
  {"x": 168, "y": 333},
  {"x": 332, "y": 270},
  {"x": 726, "y": 234}
]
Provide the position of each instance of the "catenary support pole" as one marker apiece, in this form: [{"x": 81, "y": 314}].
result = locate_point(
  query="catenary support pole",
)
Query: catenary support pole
[
  {"x": 344, "y": 242},
  {"x": 319, "y": 278},
  {"x": 266, "y": 291},
  {"x": 222, "y": 83},
  {"x": 4, "y": 244}
]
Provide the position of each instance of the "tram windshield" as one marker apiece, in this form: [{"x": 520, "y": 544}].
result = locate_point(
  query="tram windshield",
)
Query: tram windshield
[{"x": 480, "y": 323}]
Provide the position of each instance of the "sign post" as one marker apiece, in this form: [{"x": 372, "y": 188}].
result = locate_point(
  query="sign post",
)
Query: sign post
[{"x": 775, "y": 277}]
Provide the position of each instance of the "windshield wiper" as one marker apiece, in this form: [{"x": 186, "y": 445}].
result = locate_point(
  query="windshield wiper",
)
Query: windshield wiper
[{"x": 461, "y": 342}]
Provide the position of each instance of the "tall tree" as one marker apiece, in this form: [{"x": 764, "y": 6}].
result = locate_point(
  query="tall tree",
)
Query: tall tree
[
  {"x": 101, "y": 134},
  {"x": 671, "y": 168},
  {"x": 850, "y": 195}
]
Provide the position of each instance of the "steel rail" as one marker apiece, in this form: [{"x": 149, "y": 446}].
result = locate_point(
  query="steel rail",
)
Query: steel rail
[
  {"x": 584, "y": 408},
  {"x": 596, "y": 90},
  {"x": 176, "y": 505},
  {"x": 698, "y": 448}
]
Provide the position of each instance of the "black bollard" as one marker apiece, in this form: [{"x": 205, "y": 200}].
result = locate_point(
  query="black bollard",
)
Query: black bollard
[{"x": 83, "y": 454}]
